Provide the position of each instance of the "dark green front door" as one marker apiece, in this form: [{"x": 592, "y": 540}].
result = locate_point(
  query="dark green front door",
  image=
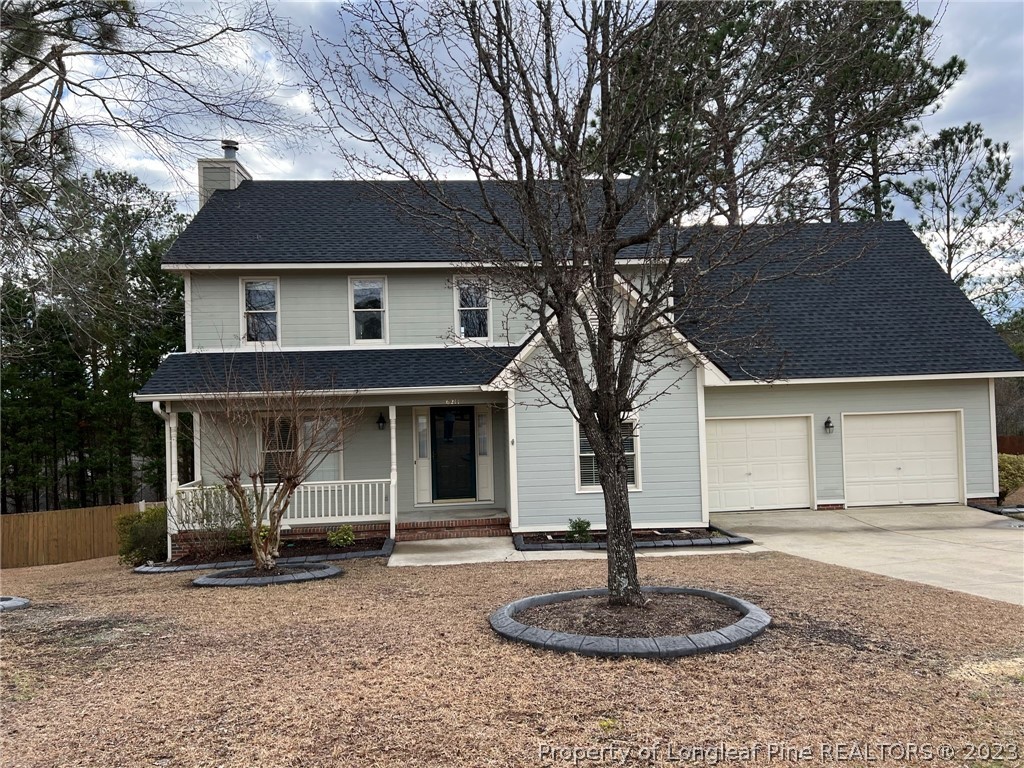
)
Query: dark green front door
[{"x": 454, "y": 457}]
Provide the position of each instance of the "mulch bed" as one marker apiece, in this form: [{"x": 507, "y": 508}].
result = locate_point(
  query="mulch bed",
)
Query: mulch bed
[
  {"x": 663, "y": 615},
  {"x": 295, "y": 548},
  {"x": 599, "y": 536}
]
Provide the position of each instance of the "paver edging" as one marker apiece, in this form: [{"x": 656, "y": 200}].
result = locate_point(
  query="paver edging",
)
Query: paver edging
[
  {"x": 384, "y": 551},
  {"x": 1005, "y": 511},
  {"x": 11, "y": 603},
  {"x": 727, "y": 539},
  {"x": 314, "y": 572},
  {"x": 753, "y": 622}
]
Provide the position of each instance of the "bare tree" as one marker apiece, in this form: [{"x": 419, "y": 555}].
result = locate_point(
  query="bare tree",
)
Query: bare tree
[
  {"x": 524, "y": 99},
  {"x": 264, "y": 431},
  {"x": 80, "y": 80}
]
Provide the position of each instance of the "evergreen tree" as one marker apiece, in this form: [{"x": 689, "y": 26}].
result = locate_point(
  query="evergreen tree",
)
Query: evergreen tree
[
  {"x": 971, "y": 216},
  {"x": 858, "y": 116},
  {"x": 72, "y": 434}
]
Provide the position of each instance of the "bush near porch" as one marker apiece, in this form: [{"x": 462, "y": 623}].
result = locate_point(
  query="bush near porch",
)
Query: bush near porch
[{"x": 1011, "y": 474}]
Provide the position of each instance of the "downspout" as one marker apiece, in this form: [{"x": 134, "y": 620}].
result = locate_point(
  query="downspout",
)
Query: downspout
[{"x": 159, "y": 411}]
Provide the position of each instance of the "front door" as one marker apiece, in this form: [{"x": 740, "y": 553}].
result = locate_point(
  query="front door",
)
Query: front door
[{"x": 452, "y": 440}]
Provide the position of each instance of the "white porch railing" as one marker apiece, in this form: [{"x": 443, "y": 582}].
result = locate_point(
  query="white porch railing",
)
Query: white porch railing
[{"x": 346, "y": 501}]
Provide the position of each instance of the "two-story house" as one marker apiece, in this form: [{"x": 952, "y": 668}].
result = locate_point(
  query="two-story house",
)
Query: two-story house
[{"x": 887, "y": 397}]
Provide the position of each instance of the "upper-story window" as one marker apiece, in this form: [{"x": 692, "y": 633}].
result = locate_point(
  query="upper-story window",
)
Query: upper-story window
[
  {"x": 259, "y": 319},
  {"x": 369, "y": 309},
  {"x": 472, "y": 309}
]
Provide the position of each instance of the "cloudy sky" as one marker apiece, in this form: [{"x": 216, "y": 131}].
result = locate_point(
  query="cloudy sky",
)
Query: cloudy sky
[{"x": 988, "y": 35}]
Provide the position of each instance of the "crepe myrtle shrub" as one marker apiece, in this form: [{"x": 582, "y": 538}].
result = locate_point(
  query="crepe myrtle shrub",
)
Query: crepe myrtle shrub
[
  {"x": 265, "y": 430},
  {"x": 579, "y": 531},
  {"x": 1011, "y": 474},
  {"x": 343, "y": 536},
  {"x": 142, "y": 536},
  {"x": 585, "y": 138}
]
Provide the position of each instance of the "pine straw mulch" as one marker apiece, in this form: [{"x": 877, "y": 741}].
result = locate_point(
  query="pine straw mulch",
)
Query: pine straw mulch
[{"x": 385, "y": 667}]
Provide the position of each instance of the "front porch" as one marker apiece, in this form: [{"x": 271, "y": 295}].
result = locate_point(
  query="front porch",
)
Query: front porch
[
  {"x": 408, "y": 471},
  {"x": 318, "y": 507}
]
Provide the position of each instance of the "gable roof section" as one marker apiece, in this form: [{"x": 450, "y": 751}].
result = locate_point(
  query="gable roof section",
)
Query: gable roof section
[
  {"x": 182, "y": 375},
  {"x": 887, "y": 309},
  {"x": 343, "y": 222}
]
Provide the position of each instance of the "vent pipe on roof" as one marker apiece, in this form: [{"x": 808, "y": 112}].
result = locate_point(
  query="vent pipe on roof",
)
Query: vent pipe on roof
[{"x": 230, "y": 147}]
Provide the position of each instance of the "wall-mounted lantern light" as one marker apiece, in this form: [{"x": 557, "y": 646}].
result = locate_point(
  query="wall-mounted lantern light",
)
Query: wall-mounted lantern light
[
  {"x": 829, "y": 426},
  {"x": 381, "y": 421}
]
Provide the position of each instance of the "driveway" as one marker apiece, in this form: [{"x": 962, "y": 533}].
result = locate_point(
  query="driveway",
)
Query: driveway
[{"x": 946, "y": 546}]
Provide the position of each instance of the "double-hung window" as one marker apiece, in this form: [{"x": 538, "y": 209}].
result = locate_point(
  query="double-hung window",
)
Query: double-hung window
[
  {"x": 472, "y": 309},
  {"x": 589, "y": 479},
  {"x": 259, "y": 318},
  {"x": 369, "y": 308}
]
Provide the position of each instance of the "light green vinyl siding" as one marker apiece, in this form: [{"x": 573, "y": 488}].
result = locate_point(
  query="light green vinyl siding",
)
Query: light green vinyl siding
[
  {"x": 669, "y": 461},
  {"x": 216, "y": 318},
  {"x": 313, "y": 309},
  {"x": 824, "y": 400}
]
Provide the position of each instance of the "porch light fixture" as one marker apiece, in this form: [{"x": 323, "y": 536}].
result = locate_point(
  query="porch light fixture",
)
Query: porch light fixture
[
  {"x": 829, "y": 426},
  {"x": 381, "y": 421}
]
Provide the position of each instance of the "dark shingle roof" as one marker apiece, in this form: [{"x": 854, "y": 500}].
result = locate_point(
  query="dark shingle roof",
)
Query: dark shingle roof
[
  {"x": 344, "y": 222},
  {"x": 351, "y": 369},
  {"x": 887, "y": 310}
]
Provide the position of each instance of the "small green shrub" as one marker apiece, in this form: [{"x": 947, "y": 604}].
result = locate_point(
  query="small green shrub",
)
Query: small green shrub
[
  {"x": 1011, "y": 473},
  {"x": 342, "y": 537},
  {"x": 142, "y": 536},
  {"x": 579, "y": 531}
]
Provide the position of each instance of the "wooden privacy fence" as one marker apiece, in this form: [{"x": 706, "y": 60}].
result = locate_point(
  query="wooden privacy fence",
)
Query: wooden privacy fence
[
  {"x": 59, "y": 535},
  {"x": 1010, "y": 443}
]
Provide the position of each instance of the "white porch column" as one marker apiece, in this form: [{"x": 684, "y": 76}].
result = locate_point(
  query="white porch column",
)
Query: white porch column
[
  {"x": 393, "y": 495},
  {"x": 513, "y": 464},
  {"x": 172, "y": 475},
  {"x": 197, "y": 462}
]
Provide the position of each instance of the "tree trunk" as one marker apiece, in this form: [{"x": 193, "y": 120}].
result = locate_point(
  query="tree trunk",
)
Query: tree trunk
[
  {"x": 732, "y": 192},
  {"x": 623, "y": 582},
  {"x": 832, "y": 171},
  {"x": 876, "y": 181}
]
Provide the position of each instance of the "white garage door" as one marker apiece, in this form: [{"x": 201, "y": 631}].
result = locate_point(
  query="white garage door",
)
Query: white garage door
[
  {"x": 758, "y": 463},
  {"x": 901, "y": 458}
]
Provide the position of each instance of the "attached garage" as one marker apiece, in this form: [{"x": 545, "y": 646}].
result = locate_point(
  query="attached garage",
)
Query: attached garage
[
  {"x": 903, "y": 458},
  {"x": 759, "y": 463}
]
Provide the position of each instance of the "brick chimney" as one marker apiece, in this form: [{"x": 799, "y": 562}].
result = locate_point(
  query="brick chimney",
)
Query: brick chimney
[{"x": 221, "y": 172}]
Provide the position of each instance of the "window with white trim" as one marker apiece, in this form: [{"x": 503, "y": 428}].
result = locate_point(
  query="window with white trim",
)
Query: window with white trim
[
  {"x": 260, "y": 313},
  {"x": 589, "y": 477},
  {"x": 369, "y": 305},
  {"x": 472, "y": 314}
]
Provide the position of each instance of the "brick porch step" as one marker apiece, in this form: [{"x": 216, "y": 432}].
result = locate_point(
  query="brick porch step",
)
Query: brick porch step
[{"x": 425, "y": 530}]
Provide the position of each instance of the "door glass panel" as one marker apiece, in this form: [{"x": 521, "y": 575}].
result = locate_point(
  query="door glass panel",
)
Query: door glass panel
[
  {"x": 422, "y": 437},
  {"x": 482, "y": 438}
]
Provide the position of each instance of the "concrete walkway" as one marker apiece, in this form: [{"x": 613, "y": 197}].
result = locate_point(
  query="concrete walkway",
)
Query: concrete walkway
[
  {"x": 953, "y": 547},
  {"x": 499, "y": 549}
]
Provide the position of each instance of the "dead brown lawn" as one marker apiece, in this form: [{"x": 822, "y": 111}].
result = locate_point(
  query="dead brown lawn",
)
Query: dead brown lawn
[{"x": 398, "y": 667}]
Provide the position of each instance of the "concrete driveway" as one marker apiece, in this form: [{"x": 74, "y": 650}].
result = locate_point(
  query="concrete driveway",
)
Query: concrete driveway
[{"x": 953, "y": 547}]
